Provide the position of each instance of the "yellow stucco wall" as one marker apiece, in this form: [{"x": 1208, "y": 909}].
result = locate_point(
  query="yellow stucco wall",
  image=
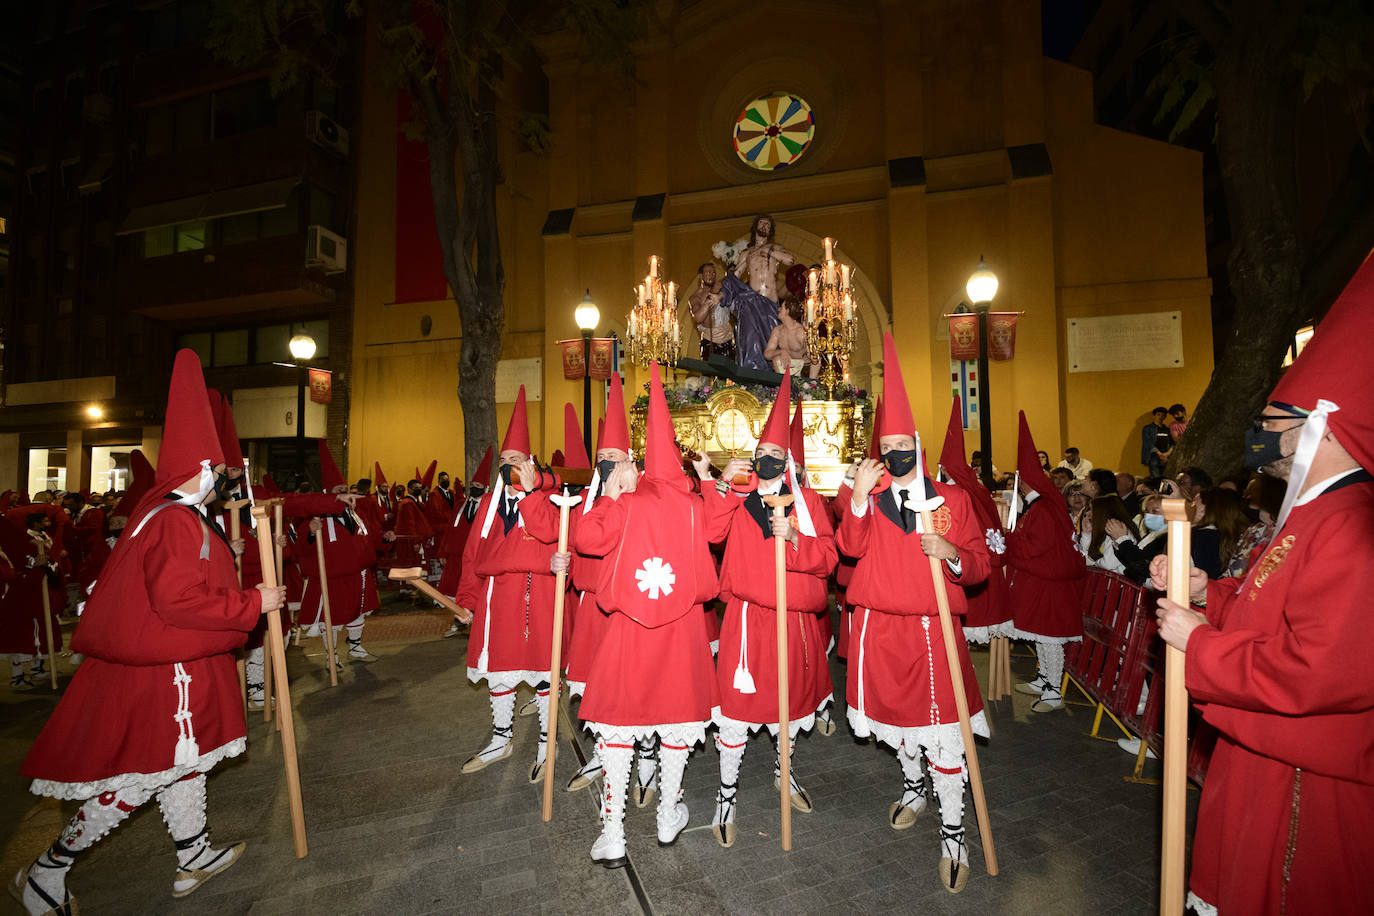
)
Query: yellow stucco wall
[{"x": 1117, "y": 227}]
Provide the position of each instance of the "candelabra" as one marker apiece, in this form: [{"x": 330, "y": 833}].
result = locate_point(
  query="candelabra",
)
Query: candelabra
[
  {"x": 653, "y": 332},
  {"x": 829, "y": 318}
]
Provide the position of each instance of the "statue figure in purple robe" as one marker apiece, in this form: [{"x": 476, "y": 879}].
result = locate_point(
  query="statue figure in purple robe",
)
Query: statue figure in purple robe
[{"x": 755, "y": 303}]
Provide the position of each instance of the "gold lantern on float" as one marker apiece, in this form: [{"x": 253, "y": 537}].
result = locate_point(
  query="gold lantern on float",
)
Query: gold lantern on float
[{"x": 830, "y": 318}]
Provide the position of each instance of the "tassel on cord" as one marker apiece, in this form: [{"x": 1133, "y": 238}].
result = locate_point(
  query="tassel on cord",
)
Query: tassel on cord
[
  {"x": 187, "y": 751},
  {"x": 744, "y": 681}
]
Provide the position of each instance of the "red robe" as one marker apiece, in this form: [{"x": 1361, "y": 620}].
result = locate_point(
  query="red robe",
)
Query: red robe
[
  {"x": 749, "y": 637},
  {"x": 1046, "y": 573},
  {"x": 412, "y": 530},
  {"x": 168, "y": 599},
  {"x": 348, "y": 560},
  {"x": 844, "y": 572},
  {"x": 507, "y": 584},
  {"x": 451, "y": 545},
  {"x": 649, "y": 671},
  {"x": 1281, "y": 672},
  {"x": 898, "y": 671},
  {"x": 440, "y": 509},
  {"x": 21, "y": 608},
  {"x": 584, "y": 623}
]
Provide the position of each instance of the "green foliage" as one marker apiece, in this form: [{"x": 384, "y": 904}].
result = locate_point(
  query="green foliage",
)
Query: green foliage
[
  {"x": 295, "y": 39},
  {"x": 1185, "y": 81}
]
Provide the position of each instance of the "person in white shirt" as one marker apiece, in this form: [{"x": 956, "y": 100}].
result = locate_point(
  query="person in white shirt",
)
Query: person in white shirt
[
  {"x": 1099, "y": 539},
  {"x": 1075, "y": 464}
]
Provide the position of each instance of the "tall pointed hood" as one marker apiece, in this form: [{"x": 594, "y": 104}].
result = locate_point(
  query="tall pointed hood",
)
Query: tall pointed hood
[
  {"x": 141, "y": 476},
  {"x": 776, "y": 429},
  {"x": 329, "y": 471},
  {"x": 428, "y": 477},
  {"x": 518, "y": 432},
  {"x": 482, "y": 475},
  {"x": 662, "y": 459},
  {"x": 894, "y": 410},
  {"x": 268, "y": 489},
  {"x": 574, "y": 450},
  {"x": 873, "y": 451},
  {"x": 1028, "y": 463},
  {"x": 615, "y": 429},
  {"x": 228, "y": 432},
  {"x": 378, "y": 478},
  {"x": 797, "y": 445},
  {"x": 961, "y": 472}
]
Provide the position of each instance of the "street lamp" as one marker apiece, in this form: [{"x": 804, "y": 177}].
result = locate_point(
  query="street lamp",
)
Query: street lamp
[
  {"x": 302, "y": 347},
  {"x": 587, "y": 315},
  {"x": 981, "y": 288}
]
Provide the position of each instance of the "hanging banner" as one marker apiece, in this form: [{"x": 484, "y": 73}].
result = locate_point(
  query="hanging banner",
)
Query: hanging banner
[
  {"x": 601, "y": 361},
  {"x": 963, "y": 337},
  {"x": 321, "y": 386},
  {"x": 1002, "y": 335}
]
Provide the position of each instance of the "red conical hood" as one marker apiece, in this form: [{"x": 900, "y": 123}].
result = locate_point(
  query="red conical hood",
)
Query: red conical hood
[
  {"x": 378, "y": 478},
  {"x": 1028, "y": 463},
  {"x": 776, "y": 430},
  {"x": 518, "y": 432},
  {"x": 268, "y": 489},
  {"x": 1328, "y": 368},
  {"x": 798, "y": 443},
  {"x": 329, "y": 471},
  {"x": 558, "y": 458},
  {"x": 428, "y": 477},
  {"x": 228, "y": 432},
  {"x": 961, "y": 472},
  {"x": 418, "y": 475},
  {"x": 873, "y": 451},
  {"x": 141, "y": 475},
  {"x": 894, "y": 414},
  {"x": 574, "y": 450},
  {"x": 662, "y": 459},
  {"x": 6, "y": 499},
  {"x": 189, "y": 437},
  {"x": 615, "y": 429},
  {"x": 483, "y": 474}
]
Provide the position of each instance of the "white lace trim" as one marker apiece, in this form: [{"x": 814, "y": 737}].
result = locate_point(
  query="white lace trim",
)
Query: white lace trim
[
  {"x": 795, "y": 727},
  {"x": 983, "y": 635},
  {"x": 142, "y": 782},
  {"x": 1036, "y": 637},
  {"x": 1202, "y": 907},
  {"x": 688, "y": 733},
  {"x": 943, "y": 736},
  {"x": 507, "y": 680},
  {"x": 575, "y": 688}
]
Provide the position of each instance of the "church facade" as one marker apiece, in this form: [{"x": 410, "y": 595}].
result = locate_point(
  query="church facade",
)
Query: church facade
[{"x": 939, "y": 135}]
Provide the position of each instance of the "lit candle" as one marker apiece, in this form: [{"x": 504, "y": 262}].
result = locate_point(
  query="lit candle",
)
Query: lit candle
[
  {"x": 672, "y": 292},
  {"x": 643, "y": 294},
  {"x": 632, "y": 324},
  {"x": 844, "y": 276},
  {"x": 829, "y": 248},
  {"x": 848, "y": 307},
  {"x": 813, "y": 277},
  {"x": 810, "y": 311},
  {"x": 653, "y": 265},
  {"x": 829, "y": 272},
  {"x": 658, "y": 298}
]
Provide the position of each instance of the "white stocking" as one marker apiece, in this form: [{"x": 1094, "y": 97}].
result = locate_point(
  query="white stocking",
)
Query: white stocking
[
  {"x": 1051, "y": 665},
  {"x": 672, "y": 764},
  {"x": 253, "y": 673},
  {"x": 730, "y": 742},
  {"x": 183, "y": 808},
  {"x": 947, "y": 775},
  {"x": 616, "y": 759},
  {"x": 47, "y": 885},
  {"x": 541, "y": 699},
  {"x": 648, "y": 763},
  {"x": 502, "y": 715},
  {"x": 913, "y": 780}
]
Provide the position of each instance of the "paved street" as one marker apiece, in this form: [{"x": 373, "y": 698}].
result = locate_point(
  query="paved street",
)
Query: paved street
[{"x": 394, "y": 828}]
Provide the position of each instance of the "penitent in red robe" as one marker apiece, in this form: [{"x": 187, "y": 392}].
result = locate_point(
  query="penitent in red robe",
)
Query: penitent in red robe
[
  {"x": 349, "y": 559},
  {"x": 1283, "y": 673},
  {"x": 158, "y": 632},
  {"x": 509, "y": 588},
  {"x": 749, "y": 633},
  {"x": 898, "y": 670},
  {"x": 1046, "y": 574}
]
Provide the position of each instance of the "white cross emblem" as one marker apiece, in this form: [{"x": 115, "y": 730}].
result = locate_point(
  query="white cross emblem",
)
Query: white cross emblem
[{"x": 656, "y": 576}]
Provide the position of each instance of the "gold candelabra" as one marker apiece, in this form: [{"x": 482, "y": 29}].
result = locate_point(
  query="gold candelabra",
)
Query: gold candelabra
[
  {"x": 653, "y": 332},
  {"x": 830, "y": 318}
]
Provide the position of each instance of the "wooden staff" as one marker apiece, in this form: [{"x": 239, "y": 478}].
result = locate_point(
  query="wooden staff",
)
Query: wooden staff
[
  {"x": 1171, "y": 886},
  {"x": 235, "y": 532},
  {"x": 285, "y": 719},
  {"x": 779, "y": 503},
  {"x": 564, "y": 504},
  {"x": 324, "y": 600},
  {"x": 416, "y": 577},
  {"x": 956, "y": 676},
  {"x": 267, "y": 697},
  {"x": 47, "y": 629}
]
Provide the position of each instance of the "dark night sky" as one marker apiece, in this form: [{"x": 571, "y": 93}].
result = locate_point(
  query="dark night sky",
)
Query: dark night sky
[{"x": 1062, "y": 23}]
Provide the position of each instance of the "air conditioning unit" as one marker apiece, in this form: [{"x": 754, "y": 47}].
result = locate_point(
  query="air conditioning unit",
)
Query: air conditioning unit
[
  {"x": 327, "y": 250},
  {"x": 324, "y": 131}
]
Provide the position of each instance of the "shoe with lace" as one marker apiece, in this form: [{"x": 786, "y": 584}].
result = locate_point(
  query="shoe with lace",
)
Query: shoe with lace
[
  {"x": 498, "y": 749},
  {"x": 1035, "y": 688},
  {"x": 585, "y": 776},
  {"x": 953, "y": 867},
  {"x": 902, "y": 813},
  {"x": 1049, "y": 701},
  {"x": 723, "y": 821}
]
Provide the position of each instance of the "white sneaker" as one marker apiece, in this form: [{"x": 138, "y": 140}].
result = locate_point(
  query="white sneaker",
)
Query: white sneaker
[
  {"x": 668, "y": 831},
  {"x": 609, "y": 851},
  {"x": 1132, "y": 747}
]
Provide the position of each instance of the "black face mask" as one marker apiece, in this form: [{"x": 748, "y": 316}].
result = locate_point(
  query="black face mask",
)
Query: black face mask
[
  {"x": 1261, "y": 448},
  {"x": 899, "y": 463},
  {"x": 224, "y": 487},
  {"x": 507, "y": 473},
  {"x": 604, "y": 468},
  {"x": 769, "y": 467},
  {"x": 476, "y": 491}
]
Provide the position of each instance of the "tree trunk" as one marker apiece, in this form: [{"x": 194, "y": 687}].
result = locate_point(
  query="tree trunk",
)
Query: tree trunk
[{"x": 1257, "y": 100}]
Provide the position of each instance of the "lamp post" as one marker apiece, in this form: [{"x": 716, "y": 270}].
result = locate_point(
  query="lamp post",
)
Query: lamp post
[
  {"x": 981, "y": 288},
  {"x": 587, "y": 315},
  {"x": 302, "y": 347}
]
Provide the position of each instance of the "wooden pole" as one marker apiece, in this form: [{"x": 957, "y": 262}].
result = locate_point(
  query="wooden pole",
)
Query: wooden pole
[
  {"x": 1171, "y": 886},
  {"x": 956, "y": 676},
  {"x": 285, "y": 718},
  {"x": 47, "y": 630},
  {"x": 324, "y": 601},
  {"x": 280, "y": 567},
  {"x": 779, "y": 504},
  {"x": 416, "y": 577},
  {"x": 564, "y": 504},
  {"x": 240, "y": 654}
]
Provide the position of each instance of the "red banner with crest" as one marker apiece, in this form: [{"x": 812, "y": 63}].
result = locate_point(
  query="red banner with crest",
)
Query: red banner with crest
[
  {"x": 321, "y": 386},
  {"x": 1002, "y": 335},
  {"x": 599, "y": 361},
  {"x": 963, "y": 337}
]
